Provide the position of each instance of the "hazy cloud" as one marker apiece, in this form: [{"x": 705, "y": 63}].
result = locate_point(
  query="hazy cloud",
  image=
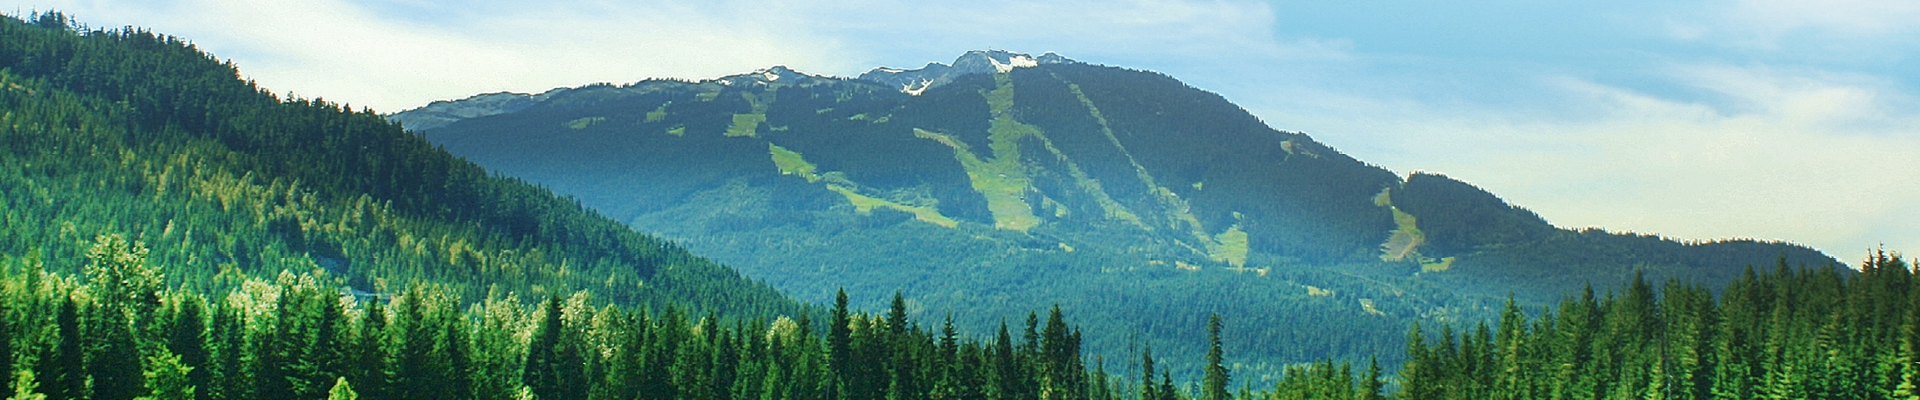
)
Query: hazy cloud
[
  {"x": 347, "y": 52},
  {"x": 1824, "y": 160}
]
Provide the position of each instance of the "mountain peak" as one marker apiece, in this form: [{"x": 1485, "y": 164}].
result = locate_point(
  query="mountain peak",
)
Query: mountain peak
[
  {"x": 778, "y": 74},
  {"x": 915, "y": 81}
]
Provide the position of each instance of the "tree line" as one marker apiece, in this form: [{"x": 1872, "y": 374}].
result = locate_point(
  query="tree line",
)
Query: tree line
[
  {"x": 119, "y": 332},
  {"x": 1785, "y": 334}
]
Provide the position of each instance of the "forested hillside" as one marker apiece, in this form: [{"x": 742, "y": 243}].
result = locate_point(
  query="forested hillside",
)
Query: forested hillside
[
  {"x": 125, "y": 132},
  {"x": 174, "y": 232}
]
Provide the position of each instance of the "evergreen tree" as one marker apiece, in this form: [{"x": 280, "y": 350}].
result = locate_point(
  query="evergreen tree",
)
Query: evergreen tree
[
  {"x": 549, "y": 367},
  {"x": 840, "y": 340},
  {"x": 167, "y": 378},
  {"x": 1214, "y": 383},
  {"x": 187, "y": 337},
  {"x": 1147, "y": 389},
  {"x": 341, "y": 391},
  {"x": 1060, "y": 353},
  {"x": 25, "y": 387},
  {"x": 1006, "y": 367},
  {"x": 114, "y": 365},
  {"x": 1167, "y": 390},
  {"x": 370, "y": 366},
  {"x": 1370, "y": 384}
]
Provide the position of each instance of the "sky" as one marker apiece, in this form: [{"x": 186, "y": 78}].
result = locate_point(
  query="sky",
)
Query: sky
[{"x": 1697, "y": 120}]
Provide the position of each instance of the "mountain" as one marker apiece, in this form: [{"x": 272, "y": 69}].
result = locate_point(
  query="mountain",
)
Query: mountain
[
  {"x": 125, "y": 133},
  {"x": 1005, "y": 183}
]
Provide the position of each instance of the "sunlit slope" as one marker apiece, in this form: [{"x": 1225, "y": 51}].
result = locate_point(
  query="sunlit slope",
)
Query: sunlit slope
[
  {"x": 141, "y": 135},
  {"x": 1117, "y": 193}
]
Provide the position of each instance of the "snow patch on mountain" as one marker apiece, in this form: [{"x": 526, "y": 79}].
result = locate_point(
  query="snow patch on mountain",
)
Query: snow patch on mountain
[
  {"x": 916, "y": 90},
  {"x": 1017, "y": 61},
  {"x": 909, "y": 81},
  {"x": 916, "y": 81}
]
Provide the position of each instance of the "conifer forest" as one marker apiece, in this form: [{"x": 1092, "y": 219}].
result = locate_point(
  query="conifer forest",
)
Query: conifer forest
[{"x": 172, "y": 231}]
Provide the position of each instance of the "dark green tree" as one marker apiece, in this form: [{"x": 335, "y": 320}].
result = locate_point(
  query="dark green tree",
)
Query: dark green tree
[
  {"x": 1214, "y": 383},
  {"x": 554, "y": 367},
  {"x": 66, "y": 367}
]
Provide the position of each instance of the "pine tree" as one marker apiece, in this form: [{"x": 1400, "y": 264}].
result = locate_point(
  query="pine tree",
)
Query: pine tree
[
  {"x": 1006, "y": 367},
  {"x": 1167, "y": 390},
  {"x": 227, "y": 373},
  {"x": 370, "y": 366},
  {"x": 187, "y": 337},
  {"x": 840, "y": 340},
  {"x": 1370, "y": 384},
  {"x": 341, "y": 391},
  {"x": 1098, "y": 390},
  {"x": 544, "y": 367},
  {"x": 1060, "y": 352},
  {"x": 1214, "y": 383},
  {"x": 114, "y": 365},
  {"x": 1147, "y": 389}
]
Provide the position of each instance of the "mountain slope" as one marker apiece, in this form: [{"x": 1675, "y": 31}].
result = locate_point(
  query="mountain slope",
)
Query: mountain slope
[
  {"x": 1007, "y": 182},
  {"x": 130, "y": 133}
]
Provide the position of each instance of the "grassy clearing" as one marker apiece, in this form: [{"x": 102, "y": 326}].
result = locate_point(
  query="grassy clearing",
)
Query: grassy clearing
[
  {"x": 865, "y": 204},
  {"x": 1406, "y": 236},
  {"x": 747, "y": 125},
  {"x": 583, "y": 123},
  {"x": 658, "y": 114},
  {"x": 1229, "y": 247},
  {"x": 1405, "y": 239},
  {"x": 791, "y": 163},
  {"x": 1367, "y": 304},
  {"x": 1176, "y": 208},
  {"x": 1002, "y": 181}
]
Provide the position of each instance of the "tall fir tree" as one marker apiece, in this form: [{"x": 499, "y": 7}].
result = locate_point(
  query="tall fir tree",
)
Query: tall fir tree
[
  {"x": 66, "y": 367},
  {"x": 1214, "y": 383}
]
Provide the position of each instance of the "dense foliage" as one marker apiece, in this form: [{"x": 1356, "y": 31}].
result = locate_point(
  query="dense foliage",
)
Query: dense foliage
[
  {"x": 174, "y": 232},
  {"x": 132, "y": 133},
  {"x": 1785, "y": 334},
  {"x": 120, "y": 334}
]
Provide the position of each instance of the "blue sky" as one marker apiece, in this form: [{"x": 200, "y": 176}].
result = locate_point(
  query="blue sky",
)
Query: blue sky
[{"x": 1698, "y": 120}]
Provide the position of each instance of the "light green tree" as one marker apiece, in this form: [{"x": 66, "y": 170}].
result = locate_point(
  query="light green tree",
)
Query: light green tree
[
  {"x": 24, "y": 386},
  {"x": 341, "y": 391},
  {"x": 167, "y": 378},
  {"x": 118, "y": 270}
]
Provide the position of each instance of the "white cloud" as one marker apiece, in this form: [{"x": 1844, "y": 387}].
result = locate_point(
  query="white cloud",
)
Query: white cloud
[
  {"x": 1765, "y": 24},
  {"x": 394, "y": 55},
  {"x": 1842, "y": 17},
  {"x": 1821, "y": 159},
  {"x": 344, "y": 52}
]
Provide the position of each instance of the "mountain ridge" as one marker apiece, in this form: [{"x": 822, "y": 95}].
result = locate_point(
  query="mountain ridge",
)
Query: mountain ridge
[{"x": 1112, "y": 192}]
